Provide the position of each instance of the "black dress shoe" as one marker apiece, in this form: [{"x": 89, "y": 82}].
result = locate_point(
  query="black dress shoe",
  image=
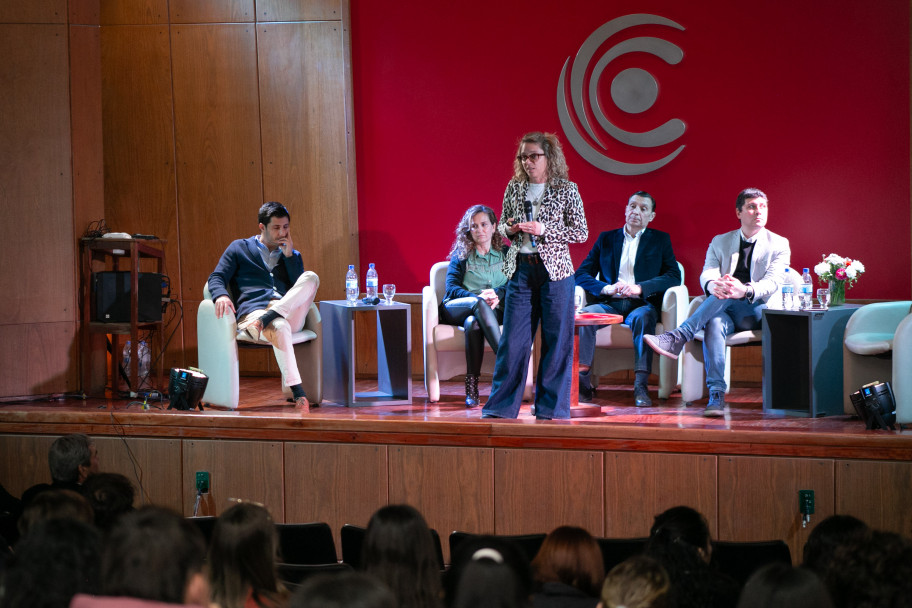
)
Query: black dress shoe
[
  {"x": 586, "y": 393},
  {"x": 641, "y": 396}
]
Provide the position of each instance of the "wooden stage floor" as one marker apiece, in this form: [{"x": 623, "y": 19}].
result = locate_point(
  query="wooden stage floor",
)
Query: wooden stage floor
[{"x": 667, "y": 427}]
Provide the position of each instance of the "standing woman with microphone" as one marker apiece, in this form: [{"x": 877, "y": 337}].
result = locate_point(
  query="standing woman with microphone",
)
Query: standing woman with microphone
[{"x": 542, "y": 213}]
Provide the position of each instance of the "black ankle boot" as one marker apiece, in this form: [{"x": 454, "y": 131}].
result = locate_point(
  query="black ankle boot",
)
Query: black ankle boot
[{"x": 471, "y": 390}]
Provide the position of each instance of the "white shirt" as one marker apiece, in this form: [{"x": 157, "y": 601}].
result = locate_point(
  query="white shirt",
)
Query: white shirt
[
  {"x": 535, "y": 192},
  {"x": 628, "y": 257}
]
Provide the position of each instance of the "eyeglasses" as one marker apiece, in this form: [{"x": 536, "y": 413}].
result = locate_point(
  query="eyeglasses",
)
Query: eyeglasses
[{"x": 533, "y": 157}]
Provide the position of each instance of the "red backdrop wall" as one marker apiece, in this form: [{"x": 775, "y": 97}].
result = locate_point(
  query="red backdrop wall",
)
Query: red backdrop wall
[{"x": 806, "y": 99}]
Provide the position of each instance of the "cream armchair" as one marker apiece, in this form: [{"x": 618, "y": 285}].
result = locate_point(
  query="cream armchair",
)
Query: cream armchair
[
  {"x": 693, "y": 379},
  {"x": 878, "y": 346},
  {"x": 218, "y": 341},
  {"x": 444, "y": 345},
  {"x": 614, "y": 343}
]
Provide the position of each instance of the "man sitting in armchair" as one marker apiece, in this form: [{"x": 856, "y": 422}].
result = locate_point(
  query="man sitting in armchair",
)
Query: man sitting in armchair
[{"x": 273, "y": 291}]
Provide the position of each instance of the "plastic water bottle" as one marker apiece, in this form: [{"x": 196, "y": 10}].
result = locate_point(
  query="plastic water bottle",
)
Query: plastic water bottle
[
  {"x": 806, "y": 293},
  {"x": 372, "y": 282},
  {"x": 787, "y": 291},
  {"x": 145, "y": 362},
  {"x": 351, "y": 284}
]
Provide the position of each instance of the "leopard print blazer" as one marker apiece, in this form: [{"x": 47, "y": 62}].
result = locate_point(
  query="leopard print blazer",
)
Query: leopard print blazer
[{"x": 565, "y": 222}]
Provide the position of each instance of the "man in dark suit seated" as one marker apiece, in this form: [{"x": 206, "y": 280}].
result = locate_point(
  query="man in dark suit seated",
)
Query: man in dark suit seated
[
  {"x": 627, "y": 273},
  {"x": 273, "y": 292}
]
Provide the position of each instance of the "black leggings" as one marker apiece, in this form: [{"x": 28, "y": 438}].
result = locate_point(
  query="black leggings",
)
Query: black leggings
[{"x": 480, "y": 321}]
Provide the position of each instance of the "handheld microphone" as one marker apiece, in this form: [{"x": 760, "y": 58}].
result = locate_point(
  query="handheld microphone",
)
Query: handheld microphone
[{"x": 527, "y": 208}]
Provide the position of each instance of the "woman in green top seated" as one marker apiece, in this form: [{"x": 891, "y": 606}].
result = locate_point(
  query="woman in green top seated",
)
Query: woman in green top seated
[{"x": 475, "y": 289}]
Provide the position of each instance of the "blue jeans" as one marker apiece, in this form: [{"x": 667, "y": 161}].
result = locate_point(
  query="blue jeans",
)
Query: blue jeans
[
  {"x": 639, "y": 315},
  {"x": 480, "y": 322},
  {"x": 719, "y": 318},
  {"x": 532, "y": 298}
]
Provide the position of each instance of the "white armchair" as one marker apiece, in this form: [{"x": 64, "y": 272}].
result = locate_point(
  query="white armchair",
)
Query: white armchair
[
  {"x": 878, "y": 346},
  {"x": 693, "y": 379},
  {"x": 614, "y": 343},
  {"x": 444, "y": 345},
  {"x": 218, "y": 341}
]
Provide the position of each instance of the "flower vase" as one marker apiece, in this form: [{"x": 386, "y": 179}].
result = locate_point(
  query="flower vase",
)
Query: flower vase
[{"x": 837, "y": 293}]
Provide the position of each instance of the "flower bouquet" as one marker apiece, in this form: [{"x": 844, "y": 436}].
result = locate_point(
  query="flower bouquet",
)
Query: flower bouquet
[{"x": 841, "y": 273}]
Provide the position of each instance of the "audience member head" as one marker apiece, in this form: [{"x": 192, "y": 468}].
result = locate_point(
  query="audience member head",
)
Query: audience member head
[
  {"x": 55, "y": 504},
  {"x": 58, "y": 559},
  {"x": 344, "y": 590},
  {"x": 554, "y": 156},
  {"x": 72, "y": 458},
  {"x": 111, "y": 495},
  {"x": 784, "y": 586},
  {"x": 872, "y": 570},
  {"x": 570, "y": 555},
  {"x": 242, "y": 557},
  {"x": 155, "y": 554},
  {"x": 399, "y": 550},
  {"x": 488, "y": 572},
  {"x": 270, "y": 210},
  {"x": 465, "y": 241},
  {"x": 638, "y": 582},
  {"x": 680, "y": 528},
  {"x": 747, "y": 194},
  {"x": 830, "y": 533}
]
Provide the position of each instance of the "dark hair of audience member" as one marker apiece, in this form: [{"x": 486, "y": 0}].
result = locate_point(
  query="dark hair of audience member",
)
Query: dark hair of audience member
[
  {"x": 56, "y": 560},
  {"x": 399, "y": 550},
  {"x": 638, "y": 582},
  {"x": 67, "y": 454},
  {"x": 487, "y": 571},
  {"x": 242, "y": 558},
  {"x": 343, "y": 590},
  {"x": 55, "y": 504},
  {"x": 571, "y": 556},
  {"x": 873, "y": 570},
  {"x": 679, "y": 539},
  {"x": 111, "y": 495},
  {"x": 831, "y": 532},
  {"x": 784, "y": 586},
  {"x": 152, "y": 553}
]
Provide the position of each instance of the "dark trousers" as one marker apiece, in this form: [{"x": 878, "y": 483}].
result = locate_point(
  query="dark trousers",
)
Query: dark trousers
[
  {"x": 639, "y": 315},
  {"x": 480, "y": 322}
]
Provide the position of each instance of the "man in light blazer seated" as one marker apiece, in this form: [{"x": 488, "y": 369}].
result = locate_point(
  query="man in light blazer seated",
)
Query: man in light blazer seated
[
  {"x": 743, "y": 269},
  {"x": 626, "y": 273}
]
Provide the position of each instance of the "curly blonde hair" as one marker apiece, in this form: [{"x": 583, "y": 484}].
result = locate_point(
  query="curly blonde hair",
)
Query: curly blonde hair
[
  {"x": 554, "y": 154},
  {"x": 464, "y": 244}
]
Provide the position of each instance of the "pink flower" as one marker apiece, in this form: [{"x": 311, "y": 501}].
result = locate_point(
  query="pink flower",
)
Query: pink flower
[{"x": 840, "y": 274}]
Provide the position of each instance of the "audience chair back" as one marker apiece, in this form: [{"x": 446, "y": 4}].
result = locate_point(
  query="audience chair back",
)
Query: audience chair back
[
  {"x": 206, "y": 525},
  {"x": 444, "y": 345},
  {"x": 618, "y": 550},
  {"x": 693, "y": 378},
  {"x": 741, "y": 559},
  {"x": 353, "y": 541},
  {"x": 293, "y": 575},
  {"x": 308, "y": 544},
  {"x": 528, "y": 543}
]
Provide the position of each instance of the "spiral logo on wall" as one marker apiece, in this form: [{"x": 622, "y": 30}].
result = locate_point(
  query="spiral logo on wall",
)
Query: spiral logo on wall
[{"x": 633, "y": 90}]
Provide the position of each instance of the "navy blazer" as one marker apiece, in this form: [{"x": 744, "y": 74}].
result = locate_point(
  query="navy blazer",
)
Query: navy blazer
[
  {"x": 655, "y": 267},
  {"x": 242, "y": 273}
]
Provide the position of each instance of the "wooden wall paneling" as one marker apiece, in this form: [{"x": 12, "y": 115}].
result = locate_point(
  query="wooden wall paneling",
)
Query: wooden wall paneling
[
  {"x": 335, "y": 483},
  {"x": 453, "y": 487},
  {"x": 212, "y": 11},
  {"x": 245, "y": 470},
  {"x": 303, "y": 100},
  {"x": 51, "y": 351},
  {"x": 33, "y": 11},
  {"x": 758, "y": 498},
  {"x": 85, "y": 12},
  {"x": 218, "y": 146},
  {"x": 152, "y": 465},
  {"x": 749, "y": 365},
  {"x": 871, "y": 490},
  {"x": 88, "y": 136},
  {"x": 133, "y": 12},
  {"x": 298, "y": 10},
  {"x": 24, "y": 461},
  {"x": 14, "y": 380},
  {"x": 639, "y": 486},
  {"x": 539, "y": 490}
]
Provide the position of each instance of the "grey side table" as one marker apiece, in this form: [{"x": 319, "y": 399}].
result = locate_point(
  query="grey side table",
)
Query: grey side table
[
  {"x": 802, "y": 360},
  {"x": 394, "y": 353}
]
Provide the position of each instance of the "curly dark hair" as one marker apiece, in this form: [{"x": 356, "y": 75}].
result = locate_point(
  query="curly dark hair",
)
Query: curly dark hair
[
  {"x": 464, "y": 244},
  {"x": 554, "y": 154}
]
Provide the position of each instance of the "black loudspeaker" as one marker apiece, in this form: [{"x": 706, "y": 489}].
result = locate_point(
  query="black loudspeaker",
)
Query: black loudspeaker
[
  {"x": 112, "y": 297},
  {"x": 875, "y": 405},
  {"x": 186, "y": 388}
]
